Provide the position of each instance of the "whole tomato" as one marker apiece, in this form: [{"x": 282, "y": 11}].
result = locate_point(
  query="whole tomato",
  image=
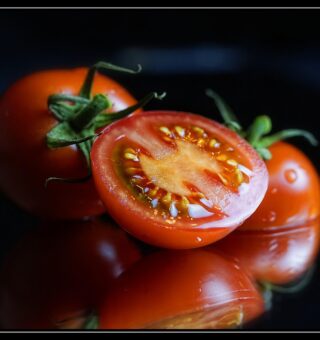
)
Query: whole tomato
[
  {"x": 57, "y": 274},
  {"x": 186, "y": 289},
  {"x": 26, "y": 161},
  {"x": 293, "y": 194}
]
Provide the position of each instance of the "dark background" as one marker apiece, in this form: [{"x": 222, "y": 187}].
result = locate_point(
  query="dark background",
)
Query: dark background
[{"x": 261, "y": 61}]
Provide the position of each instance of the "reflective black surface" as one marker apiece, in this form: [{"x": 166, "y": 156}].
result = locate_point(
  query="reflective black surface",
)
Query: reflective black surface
[{"x": 262, "y": 62}]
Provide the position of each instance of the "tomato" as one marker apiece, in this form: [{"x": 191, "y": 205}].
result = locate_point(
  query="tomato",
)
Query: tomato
[
  {"x": 276, "y": 256},
  {"x": 58, "y": 273},
  {"x": 186, "y": 289},
  {"x": 177, "y": 180},
  {"x": 26, "y": 161},
  {"x": 293, "y": 195}
]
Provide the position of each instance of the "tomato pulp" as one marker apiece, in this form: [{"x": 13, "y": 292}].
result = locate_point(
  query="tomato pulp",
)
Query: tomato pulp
[
  {"x": 26, "y": 161},
  {"x": 175, "y": 179}
]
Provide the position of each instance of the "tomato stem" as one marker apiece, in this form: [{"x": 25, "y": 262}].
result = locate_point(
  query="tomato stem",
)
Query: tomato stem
[
  {"x": 269, "y": 140},
  {"x": 230, "y": 119},
  {"x": 86, "y": 88},
  {"x": 261, "y": 126}
]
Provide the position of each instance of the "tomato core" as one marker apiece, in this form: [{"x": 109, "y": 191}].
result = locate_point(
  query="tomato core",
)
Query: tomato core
[{"x": 174, "y": 182}]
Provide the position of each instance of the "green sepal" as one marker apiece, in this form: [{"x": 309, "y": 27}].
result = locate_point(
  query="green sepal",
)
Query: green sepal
[
  {"x": 103, "y": 119},
  {"x": 63, "y": 135}
]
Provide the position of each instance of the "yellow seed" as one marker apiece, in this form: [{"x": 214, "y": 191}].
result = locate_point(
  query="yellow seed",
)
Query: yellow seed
[
  {"x": 212, "y": 143},
  {"x": 132, "y": 171},
  {"x": 239, "y": 176},
  {"x": 166, "y": 199},
  {"x": 130, "y": 150},
  {"x": 223, "y": 179},
  {"x": 153, "y": 192},
  {"x": 165, "y": 130},
  {"x": 201, "y": 142},
  {"x": 197, "y": 195},
  {"x": 167, "y": 139},
  {"x": 222, "y": 157},
  {"x": 131, "y": 156},
  {"x": 180, "y": 131},
  {"x": 198, "y": 130},
  {"x": 184, "y": 203},
  {"x": 232, "y": 162}
]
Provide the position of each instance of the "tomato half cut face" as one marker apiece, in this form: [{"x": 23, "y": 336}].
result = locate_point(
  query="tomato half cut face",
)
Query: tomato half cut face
[{"x": 177, "y": 180}]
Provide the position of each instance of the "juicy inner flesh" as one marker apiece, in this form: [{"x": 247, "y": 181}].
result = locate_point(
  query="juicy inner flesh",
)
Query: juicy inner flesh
[
  {"x": 184, "y": 165},
  {"x": 195, "y": 179}
]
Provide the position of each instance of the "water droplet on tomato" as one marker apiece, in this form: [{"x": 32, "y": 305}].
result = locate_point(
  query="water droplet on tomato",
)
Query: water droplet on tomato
[
  {"x": 199, "y": 239},
  {"x": 290, "y": 175}
]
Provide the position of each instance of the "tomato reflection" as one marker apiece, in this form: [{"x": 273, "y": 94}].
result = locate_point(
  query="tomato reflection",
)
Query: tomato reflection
[
  {"x": 181, "y": 289},
  {"x": 57, "y": 273},
  {"x": 277, "y": 256}
]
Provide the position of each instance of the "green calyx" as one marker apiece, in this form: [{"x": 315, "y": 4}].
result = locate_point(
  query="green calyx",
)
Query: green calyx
[
  {"x": 258, "y": 133},
  {"x": 80, "y": 116}
]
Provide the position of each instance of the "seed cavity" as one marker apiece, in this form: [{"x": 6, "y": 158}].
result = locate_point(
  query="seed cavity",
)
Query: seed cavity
[{"x": 189, "y": 202}]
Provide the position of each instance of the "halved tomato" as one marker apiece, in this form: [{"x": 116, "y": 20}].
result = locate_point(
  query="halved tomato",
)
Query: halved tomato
[
  {"x": 190, "y": 289},
  {"x": 176, "y": 179}
]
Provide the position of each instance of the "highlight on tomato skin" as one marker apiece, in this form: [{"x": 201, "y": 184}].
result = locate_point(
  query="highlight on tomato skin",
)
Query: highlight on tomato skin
[
  {"x": 175, "y": 179},
  {"x": 186, "y": 289},
  {"x": 26, "y": 161},
  {"x": 293, "y": 194},
  {"x": 275, "y": 256},
  {"x": 56, "y": 275}
]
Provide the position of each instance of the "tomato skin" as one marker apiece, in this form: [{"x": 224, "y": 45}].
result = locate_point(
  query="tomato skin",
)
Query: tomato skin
[
  {"x": 26, "y": 162},
  {"x": 61, "y": 271},
  {"x": 275, "y": 256},
  {"x": 293, "y": 195},
  {"x": 135, "y": 217},
  {"x": 169, "y": 284}
]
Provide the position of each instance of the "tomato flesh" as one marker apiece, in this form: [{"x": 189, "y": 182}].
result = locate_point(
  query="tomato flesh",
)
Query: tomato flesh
[{"x": 177, "y": 180}]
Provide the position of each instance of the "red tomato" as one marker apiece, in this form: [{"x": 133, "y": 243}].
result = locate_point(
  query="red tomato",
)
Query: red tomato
[
  {"x": 56, "y": 275},
  {"x": 177, "y": 180},
  {"x": 275, "y": 256},
  {"x": 190, "y": 289},
  {"x": 293, "y": 195},
  {"x": 26, "y": 162}
]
